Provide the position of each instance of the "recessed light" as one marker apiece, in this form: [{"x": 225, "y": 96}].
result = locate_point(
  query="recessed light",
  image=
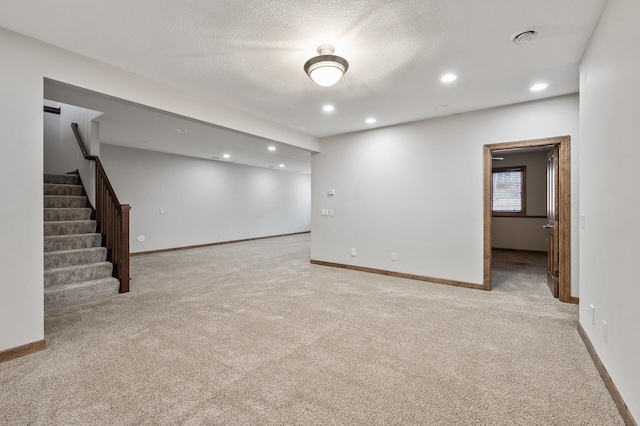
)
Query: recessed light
[
  {"x": 538, "y": 87},
  {"x": 182, "y": 130},
  {"x": 227, "y": 156},
  {"x": 370, "y": 120},
  {"x": 272, "y": 148},
  {"x": 523, "y": 37},
  {"x": 328, "y": 108},
  {"x": 281, "y": 165},
  {"x": 448, "y": 78}
]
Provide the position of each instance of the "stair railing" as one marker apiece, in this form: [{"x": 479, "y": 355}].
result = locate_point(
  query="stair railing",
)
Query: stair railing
[{"x": 112, "y": 218}]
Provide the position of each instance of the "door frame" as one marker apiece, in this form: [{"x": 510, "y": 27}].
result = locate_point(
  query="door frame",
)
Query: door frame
[{"x": 564, "y": 216}]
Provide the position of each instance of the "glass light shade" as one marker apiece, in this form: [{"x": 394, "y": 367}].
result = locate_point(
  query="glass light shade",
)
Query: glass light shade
[{"x": 326, "y": 74}]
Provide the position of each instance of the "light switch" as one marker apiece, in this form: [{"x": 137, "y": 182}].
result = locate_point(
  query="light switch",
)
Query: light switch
[
  {"x": 330, "y": 212},
  {"x": 324, "y": 212}
]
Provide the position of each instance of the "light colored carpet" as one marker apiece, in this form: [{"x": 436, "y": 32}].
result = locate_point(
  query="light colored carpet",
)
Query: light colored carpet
[{"x": 251, "y": 333}]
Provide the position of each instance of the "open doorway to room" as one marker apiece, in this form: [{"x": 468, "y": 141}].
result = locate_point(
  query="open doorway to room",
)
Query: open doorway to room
[{"x": 527, "y": 209}]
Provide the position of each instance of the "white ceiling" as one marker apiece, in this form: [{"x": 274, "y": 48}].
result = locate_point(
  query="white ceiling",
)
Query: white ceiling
[{"x": 249, "y": 54}]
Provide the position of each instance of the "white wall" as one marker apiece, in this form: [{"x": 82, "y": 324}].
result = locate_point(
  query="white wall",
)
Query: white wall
[
  {"x": 610, "y": 195},
  {"x": 25, "y": 63},
  {"x": 203, "y": 199},
  {"x": 417, "y": 189},
  {"x": 21, "y": 227},
  {"x": 524, "y": 233},
  {"x": 62, "y": 154}
]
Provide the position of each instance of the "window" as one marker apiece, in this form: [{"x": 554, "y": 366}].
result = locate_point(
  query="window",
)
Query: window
[{"x": 509, "y": 191}]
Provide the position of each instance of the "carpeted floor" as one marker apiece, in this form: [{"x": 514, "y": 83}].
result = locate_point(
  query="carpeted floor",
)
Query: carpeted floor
[{"x": 251, "y": 333}]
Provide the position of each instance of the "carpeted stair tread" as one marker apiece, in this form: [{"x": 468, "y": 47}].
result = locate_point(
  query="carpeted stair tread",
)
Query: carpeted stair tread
[
  {"x": 62, "y": 258},
  {"x": 77, "y": 273},
  {"x": 64, "y": 201},
  {"x": 71, "y": 227},
  {"x": 65, "y": 294},
  {"x": 64, "y": 179},
  {"x": 62, "y": 189},
  {"x": 71, "y": 242},
  {"x": 52, "y": 214}
]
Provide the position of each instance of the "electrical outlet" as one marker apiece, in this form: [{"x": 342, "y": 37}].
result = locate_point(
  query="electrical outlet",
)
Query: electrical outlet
[
  {"x": 220, "y": 234},
  {"x": 393, "y": 257},
  {"x": 353, "y": 252},
  {"x": 605, "y": 334},
  {"x": 582, "y": 221},
  {"x": 230, "y": 232}
]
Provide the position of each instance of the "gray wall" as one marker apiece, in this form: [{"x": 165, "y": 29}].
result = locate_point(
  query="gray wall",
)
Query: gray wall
[
  {"x": 610, "y": 196},
  {"x": 524, "y": 233},
  {"x": 203, "y": 201},
  {"x": 416, "y": 189}
]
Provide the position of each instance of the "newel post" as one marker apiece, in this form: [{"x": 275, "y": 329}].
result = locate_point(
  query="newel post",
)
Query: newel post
[{"x": 124, "y": 249}]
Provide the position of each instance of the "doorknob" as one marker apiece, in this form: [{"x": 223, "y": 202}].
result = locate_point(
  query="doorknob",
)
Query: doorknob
[{"x": 547, "y": 226}]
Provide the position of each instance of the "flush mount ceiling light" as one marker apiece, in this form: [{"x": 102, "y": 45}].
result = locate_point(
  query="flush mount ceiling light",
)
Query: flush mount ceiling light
[
  {"x": 326, "y": 69},
  {"x": 370, "y": 120},
  {"x": 328, "y": 108},
  {"x": 523, "y": 37},
  {"x": 272, "y": 148}
]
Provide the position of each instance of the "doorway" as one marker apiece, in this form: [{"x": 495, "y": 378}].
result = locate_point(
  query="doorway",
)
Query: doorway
[{"x": 559, "y": 226}]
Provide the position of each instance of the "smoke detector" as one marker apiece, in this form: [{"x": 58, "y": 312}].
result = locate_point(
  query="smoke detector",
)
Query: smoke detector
[{"x": 523, "y": 37}]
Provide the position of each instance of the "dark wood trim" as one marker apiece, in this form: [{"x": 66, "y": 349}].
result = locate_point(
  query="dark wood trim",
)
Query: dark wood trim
[
  {"x": 83, "y": 147},
  {"x": 143, "y": 253},
  {"x": 564, "y": 223},
  {"x": 400, "y": 275},
  {"x": 52, "y": 110},
  {"x": 575, "y": 300},
  {"x": 19, "y": 351},
  {"x": 606, "y": 378},
  {"x": 488, "y": 166}
]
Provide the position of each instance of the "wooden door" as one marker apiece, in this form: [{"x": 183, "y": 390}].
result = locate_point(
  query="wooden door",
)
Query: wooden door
[{"x": 552, "y": 221}]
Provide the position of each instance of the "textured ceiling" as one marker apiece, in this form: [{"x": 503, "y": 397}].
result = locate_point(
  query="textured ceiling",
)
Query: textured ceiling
[{"x": 249, "y": 54}]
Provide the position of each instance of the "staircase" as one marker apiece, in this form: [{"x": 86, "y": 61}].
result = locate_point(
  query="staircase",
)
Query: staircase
[{"x": 75, "y": 266}]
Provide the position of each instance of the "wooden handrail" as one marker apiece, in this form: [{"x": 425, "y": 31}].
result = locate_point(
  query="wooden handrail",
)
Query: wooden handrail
[{"x": 112, "y": 218}]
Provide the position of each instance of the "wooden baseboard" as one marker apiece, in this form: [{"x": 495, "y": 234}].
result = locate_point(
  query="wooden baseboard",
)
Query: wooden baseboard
[
  {"x": 608, "y": 382},
  {"x": 399, "y": 274},
  {"x": 142, "y": 253},
  {"x": 23, "y": 350},
  {"x": 574, "y": 300}
]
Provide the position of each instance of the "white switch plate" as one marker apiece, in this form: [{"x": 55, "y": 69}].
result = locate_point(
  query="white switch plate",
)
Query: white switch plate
[
  {"x": 582, "y": 221},
  {"x": 161, "y": 210},
  {"x": 330, "y": 212},
  {"x": 393, "y": 257},
  {"x": 593, "y": 314},
  {"x": 324, "y": 212},
  {"x": 604, "y": 330},
  {"x": 353, "y": 252}
]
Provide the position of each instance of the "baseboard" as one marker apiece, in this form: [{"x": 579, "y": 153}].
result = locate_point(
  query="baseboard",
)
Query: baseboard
[
  {"x": 574, "y": 300},
  {"x": 23, "y": 350},
  {"x": 400, "y": 275},
  {"x": 608, "y": 382},
  {"x": 141, "y": 253}
]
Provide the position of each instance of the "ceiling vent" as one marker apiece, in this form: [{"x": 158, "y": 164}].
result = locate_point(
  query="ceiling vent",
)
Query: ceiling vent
[{"x": 524, "y": 37}]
